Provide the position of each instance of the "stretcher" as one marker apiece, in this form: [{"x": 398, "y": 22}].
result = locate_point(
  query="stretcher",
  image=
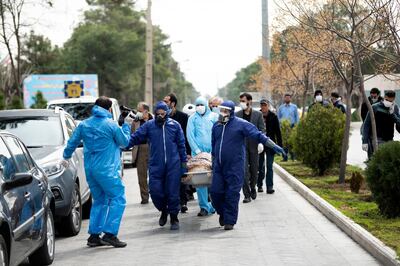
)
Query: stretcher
[{"x": 198, "y": 179}]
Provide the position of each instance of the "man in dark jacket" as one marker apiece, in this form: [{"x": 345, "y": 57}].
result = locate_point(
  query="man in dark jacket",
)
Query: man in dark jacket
[
  {"x": 374, "y": 97},
  {"x": 318, "y": 99},
  {"x": 252, "y": 150},
  {"x": 167, "y": 161},
  {"x": 273, "y": 131},
  {"x": 386, "y": 117},
  {"x": 228, "y": 153},
  {"x": 172, "y": 101},
  {"x": 337, "y": 102}
]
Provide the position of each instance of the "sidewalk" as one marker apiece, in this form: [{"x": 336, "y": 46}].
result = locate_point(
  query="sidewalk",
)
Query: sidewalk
[{"x": 278, "y": 229}]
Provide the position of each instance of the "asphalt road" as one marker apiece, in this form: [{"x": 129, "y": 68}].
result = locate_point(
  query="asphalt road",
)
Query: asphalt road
[{"x": 278, "y": 229}]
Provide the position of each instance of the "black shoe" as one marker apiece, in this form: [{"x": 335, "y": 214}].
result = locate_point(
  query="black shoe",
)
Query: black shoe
[
  {"x": 163, "y": 218},
  {"x": 260, "y": 189},
  {"x": 144, "y": 201},
  {"x": 95, "y": 241},
  {"x": 228, "y": 227},
  {"x": 113, "y": 241},
  {"x": 247, "y": 200},
  {"x": 174, "y": 222},
  {"x": 253, "y": 194},
  {"x": 270, "y": 190},
  {"x": 184, "y": 209},
  {"x": 221, "y": 220},
  {"x": 202, "y": 213}
]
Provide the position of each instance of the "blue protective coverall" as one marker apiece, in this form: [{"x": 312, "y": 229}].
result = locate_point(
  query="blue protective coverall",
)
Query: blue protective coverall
[
  {"x": 228, "y": 152},
  {"x": 102, "y": 140},
  {"x": 167, "y": 153},
  {"x": 199, "y": 130}
]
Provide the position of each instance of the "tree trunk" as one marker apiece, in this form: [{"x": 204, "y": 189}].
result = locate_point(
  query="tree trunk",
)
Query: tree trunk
[
  {"x": 346, "y": 137},
  {"x": 365, "y": 97}
]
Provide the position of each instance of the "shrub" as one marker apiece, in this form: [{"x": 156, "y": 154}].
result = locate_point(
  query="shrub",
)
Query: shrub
[
  {"x": 356, "y": 182},
  {"x": 318, "y": 138},
  {"x": 39, "y": 101},
  {"x": 286, "y": 131},
  {"x": 383, "y": 178},
  {"x": 355, "y": 117}
]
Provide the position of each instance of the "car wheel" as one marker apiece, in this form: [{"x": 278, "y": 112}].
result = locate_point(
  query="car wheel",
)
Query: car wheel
[
  {"x": 71, "y": 224},
  {"x": 87, "y": 206},
  {"x": 45, "y": 254},
  {"x": 3, "y": 252}
]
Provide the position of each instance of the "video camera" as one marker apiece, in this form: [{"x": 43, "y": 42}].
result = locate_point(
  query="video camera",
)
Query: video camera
[{"x": 125, "y": 109}]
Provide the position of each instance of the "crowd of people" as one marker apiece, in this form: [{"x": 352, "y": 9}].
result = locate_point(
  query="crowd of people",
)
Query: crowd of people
[{"x": 242, "y": 144}]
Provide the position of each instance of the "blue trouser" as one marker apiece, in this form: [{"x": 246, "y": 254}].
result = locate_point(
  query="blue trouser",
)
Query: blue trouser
[
  {"x": 202, "y": 196},
  {"x": 225, "y": 194},
  {"x": 270, "y": 154},
  {"x": 108, "y": 194},
  {"x": 164, "y": 189}
]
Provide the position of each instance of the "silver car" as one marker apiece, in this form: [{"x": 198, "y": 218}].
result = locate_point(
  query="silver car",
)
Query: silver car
[{"x": 46, "y": 133}]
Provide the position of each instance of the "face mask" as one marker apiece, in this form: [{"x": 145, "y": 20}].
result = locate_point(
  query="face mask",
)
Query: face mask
[
  {"x": 374, "y": 100},
  {"x": 318, "y": 98},
  {"x": 200, "y": 110},
  {"x": 139, "y": 115},
  {"x": 223, "y": 118},
  {"x": 387, "y": 104},
  {"x": 243, "y": 105},
  {"x": 215, "y": 110},
  {"x": 160, "y": 120}
]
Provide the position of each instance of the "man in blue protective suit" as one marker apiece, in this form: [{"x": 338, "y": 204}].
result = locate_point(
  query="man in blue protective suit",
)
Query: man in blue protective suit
[
  {"x": 167, "y": 162},
  {"x": 102, "y": 140},
  {"x": 228, "y": 152},
  {"x": 199, "y": 137}
]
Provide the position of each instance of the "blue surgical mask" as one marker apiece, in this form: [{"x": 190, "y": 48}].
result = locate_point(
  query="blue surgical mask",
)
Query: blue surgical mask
[{"x": 215, "y": 110}]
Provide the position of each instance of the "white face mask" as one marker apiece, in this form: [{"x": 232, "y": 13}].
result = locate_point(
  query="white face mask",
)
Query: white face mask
[
  {"x": 243, "y": 105},
  {"x": 200, "y": 110},
  {"x": 318, "y": 98},
  {"x": 387, "y": 104},
  {"x": 215, "y": 110},
  {"x": 139, "y": 115}
]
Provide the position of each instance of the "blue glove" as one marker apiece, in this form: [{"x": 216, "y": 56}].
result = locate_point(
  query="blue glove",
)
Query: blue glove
[
  {"x": 184, "y": 169},
  {"x": 279, "y": 150}
]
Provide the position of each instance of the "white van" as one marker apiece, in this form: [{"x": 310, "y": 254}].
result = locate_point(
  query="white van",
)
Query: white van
[{"x": 81, "y": 109}]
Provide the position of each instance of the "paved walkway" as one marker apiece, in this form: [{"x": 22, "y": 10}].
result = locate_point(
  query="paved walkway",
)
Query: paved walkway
[{"x": 279, "y": 229}]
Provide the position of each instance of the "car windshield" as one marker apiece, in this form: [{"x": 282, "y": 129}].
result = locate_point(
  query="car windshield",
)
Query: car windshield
[
  {"x": 79, "y": 111},
  {"x": 35, "y": 131}
]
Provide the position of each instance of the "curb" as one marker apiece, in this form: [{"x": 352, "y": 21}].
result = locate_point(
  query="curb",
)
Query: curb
[{"x": 373, "y": 245}]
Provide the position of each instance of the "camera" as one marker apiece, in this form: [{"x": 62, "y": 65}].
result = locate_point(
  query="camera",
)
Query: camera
[{"x": 124, "y": 108}]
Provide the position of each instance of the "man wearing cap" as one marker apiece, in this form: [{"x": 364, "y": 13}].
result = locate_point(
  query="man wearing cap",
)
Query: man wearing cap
[
  {"x": 273, "y": 131},
  {"x": 228, "y": 153},
  {"x": 167, "y": 162}
]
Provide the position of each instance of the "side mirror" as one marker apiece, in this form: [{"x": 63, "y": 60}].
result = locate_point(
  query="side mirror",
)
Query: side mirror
[{"x": 18, "y": 180}]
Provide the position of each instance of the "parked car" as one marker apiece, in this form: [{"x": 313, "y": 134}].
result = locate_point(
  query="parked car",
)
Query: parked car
[
  {"x": 81, "y": 109},
  {"x": 45, "y": 133},
  {"x": 26, "y": 207}
]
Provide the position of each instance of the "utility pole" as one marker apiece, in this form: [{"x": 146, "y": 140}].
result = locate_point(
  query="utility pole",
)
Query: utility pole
[
  {"x": 149, "y": 58},
  {"x": 265, "y": 45}
]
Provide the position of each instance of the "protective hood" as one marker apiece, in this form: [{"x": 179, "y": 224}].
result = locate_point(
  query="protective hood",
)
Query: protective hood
[
  {"x": 203, "y": 101},
  {"x": 163, "y": 106},
  {"x": 230, "y": 105},
  {"x": 98, "y": 111}
]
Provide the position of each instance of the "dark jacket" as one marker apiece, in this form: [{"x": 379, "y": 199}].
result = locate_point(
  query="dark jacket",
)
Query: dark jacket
[
  {"x": 364, "y": 107},
  {"x": 324, "y": 103},
  {"x": 273, "y": 129},
  {"x": 340, "y": 106},
  {"x": 257, "y": 120},
  {"x": 384, "y": 123},
  {"x": 182, "y": 119}
]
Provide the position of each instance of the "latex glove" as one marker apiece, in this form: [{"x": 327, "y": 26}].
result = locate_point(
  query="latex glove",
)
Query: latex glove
[
  {"x": 391, "y": 109},
  {"x": 65, "y": 163},
  {"x": 260, "y": 148},
  {"x": 130, "y": 118},
  {"x": 184, "y": 169},
  {"x": 279, "y": 150},
  {"x": 122, "y": 117},
  {"x": 365, "y": 147}
]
